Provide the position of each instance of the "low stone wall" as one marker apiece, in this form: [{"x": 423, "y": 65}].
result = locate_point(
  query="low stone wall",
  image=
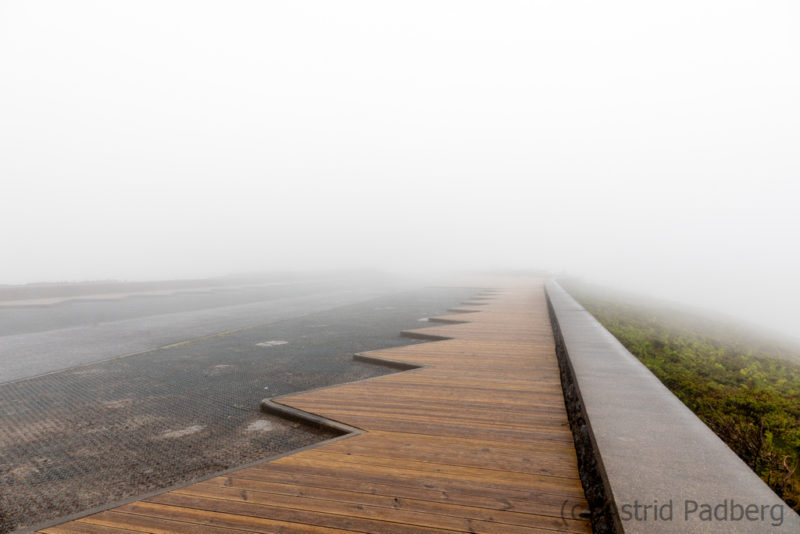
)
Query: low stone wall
[{"x": 649, "y": 465}]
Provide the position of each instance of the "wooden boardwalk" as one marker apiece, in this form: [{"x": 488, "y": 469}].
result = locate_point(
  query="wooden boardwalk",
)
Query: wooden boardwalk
[{"x": 476, "y": 440}]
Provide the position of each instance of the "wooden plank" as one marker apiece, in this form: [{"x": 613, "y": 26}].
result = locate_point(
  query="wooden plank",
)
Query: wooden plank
[
  {"x": 180, "y": 503},
  {"x": 459, "y": 403},
  {"x": 443, "y": 428},
  {"x": 399, "y": 440},
  {"x": 548, "y": 392},
  {"x": 541, "y": 464},
  {"x": 450, "y": 405},
  {"x": 76, "y": 527},
  {"x": 427, "y": 465},
  {"x": 466, "y": 494},
  {"x": 418, "y": 479},
  {"x": 157, "y": 518},
  {"x": 417, "y": 391},
  {"x": 437, "y": 412},
  {"x": 140, "y": 523},
  {"x": 436, "y": 415},
  {"x": 255, "y": 491}
]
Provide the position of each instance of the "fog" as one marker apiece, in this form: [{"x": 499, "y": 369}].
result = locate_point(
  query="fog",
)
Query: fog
[{"x": 649, "y": 147}]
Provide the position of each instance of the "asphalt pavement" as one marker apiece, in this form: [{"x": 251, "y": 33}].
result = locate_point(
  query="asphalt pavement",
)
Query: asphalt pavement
[{"x": 39, "y": 339}]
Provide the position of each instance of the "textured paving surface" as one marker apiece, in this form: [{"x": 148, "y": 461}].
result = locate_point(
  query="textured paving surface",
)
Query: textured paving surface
[
  {"x": 476, "y": 441},
  {"x": 98, "y": 433}
]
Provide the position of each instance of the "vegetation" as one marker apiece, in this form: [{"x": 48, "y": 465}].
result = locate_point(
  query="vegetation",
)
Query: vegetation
[{"x": 742, "y": 385}]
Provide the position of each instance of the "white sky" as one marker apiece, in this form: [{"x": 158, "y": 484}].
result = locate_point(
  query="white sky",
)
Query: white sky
[{"x": 650, "y": 146}]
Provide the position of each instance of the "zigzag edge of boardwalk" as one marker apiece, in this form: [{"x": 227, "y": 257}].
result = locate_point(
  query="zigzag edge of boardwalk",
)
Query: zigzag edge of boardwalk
[{"x": 473, "y": 438}]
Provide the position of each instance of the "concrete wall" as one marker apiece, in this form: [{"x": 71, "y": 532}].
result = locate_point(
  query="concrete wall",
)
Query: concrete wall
[{"x": 662, "y": 469}]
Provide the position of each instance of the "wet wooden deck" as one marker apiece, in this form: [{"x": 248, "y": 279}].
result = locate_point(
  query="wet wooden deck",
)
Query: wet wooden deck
[{"x": 476, "y": 440}]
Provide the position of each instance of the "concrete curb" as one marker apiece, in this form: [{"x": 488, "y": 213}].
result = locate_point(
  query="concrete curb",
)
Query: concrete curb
[
  {"x": 445, "y": 321},
  {"x": 392, "y": 364},
  {"x": 423, "y": 336},
  {"x": 293, "y": 414}
]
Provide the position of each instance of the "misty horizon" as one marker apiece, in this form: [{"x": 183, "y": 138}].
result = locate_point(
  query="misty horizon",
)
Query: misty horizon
[{"x": 650, "y": 149}]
